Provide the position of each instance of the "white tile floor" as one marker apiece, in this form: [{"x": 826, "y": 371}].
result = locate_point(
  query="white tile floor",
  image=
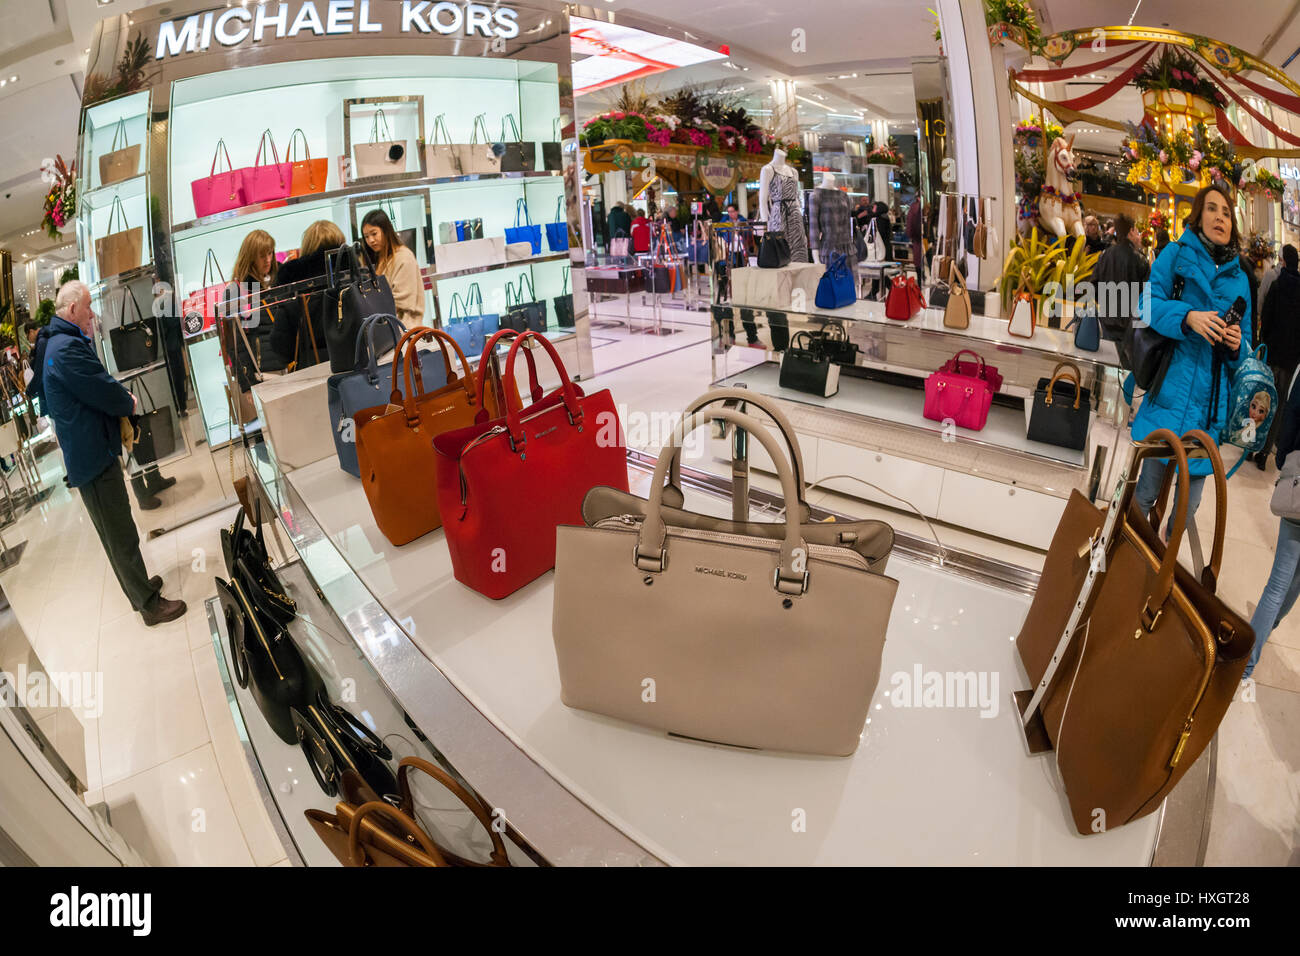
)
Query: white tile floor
[{"x": 165, "y": 755}]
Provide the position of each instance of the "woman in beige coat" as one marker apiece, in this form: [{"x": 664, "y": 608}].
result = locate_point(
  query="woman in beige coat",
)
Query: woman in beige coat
[{"x": 397, "y": 264}]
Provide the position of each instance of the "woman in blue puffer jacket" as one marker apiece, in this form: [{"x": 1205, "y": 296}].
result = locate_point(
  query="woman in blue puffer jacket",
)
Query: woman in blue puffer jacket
[{"x": 1207, "y": 256}]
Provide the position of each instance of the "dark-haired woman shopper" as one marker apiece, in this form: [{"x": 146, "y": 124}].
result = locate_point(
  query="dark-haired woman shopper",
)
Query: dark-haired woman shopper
[
  {"x": 397, "y": 264},
  {"x": 1207, "y": 351}
]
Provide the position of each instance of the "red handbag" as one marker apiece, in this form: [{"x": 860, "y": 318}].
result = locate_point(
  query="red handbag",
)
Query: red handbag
[
  {"x": 963, "y": 399},
  {"x": 504, "y": 486},
  {"x": 199, "y": 309},
  {"x": 904, "y": 299}
]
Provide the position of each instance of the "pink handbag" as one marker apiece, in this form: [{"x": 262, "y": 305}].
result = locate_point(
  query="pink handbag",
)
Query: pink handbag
[
  {"x": 978, "y": 368},
  {"x": 270, "y": 182},
  {"x": 218, "y": 192},
  {"x": 964, "y": 399}
]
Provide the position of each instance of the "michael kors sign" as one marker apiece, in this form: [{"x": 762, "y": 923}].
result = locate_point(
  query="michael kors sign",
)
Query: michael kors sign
[{"x": 236, "y": 25}]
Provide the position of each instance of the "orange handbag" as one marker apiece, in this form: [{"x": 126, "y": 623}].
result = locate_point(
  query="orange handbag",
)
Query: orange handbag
[
  {"x": 308, "y": 175},
  {"x": 395, "y": 441}
]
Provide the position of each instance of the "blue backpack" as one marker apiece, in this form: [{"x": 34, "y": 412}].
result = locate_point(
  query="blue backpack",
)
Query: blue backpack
[{"x": 1251, "y": 406}]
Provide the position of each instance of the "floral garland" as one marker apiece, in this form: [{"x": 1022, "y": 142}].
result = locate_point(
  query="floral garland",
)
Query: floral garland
[
  {"x": 664, "y": 130},
  {"x": 1197, "y": 155},
  {"x": 1264, "y": 183},
  {"x": 61, "y": 200},
  {"x": 887, "y": 155},
  {"x": 1028, "y": 130},
  {"x": 1067, "y": 199},
  {"x": 1260, "y": 249},
  {"x": 1176, "y": 70}
]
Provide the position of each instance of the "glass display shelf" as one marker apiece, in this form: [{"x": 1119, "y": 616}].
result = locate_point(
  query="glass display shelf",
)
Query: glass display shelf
[
  {"x": 125, "y": 119},
  {"x": 100, "y": 215}
]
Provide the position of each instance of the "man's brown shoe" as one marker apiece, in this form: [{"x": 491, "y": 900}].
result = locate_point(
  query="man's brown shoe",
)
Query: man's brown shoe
[{"x": 163, "y": 611}]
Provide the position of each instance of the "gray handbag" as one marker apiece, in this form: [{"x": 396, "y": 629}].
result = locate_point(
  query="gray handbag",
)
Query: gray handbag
[
  {"x": 771, "y": 641},
  {"x": 1285, "y": 502},
  {"x": 371, "y": 385}
]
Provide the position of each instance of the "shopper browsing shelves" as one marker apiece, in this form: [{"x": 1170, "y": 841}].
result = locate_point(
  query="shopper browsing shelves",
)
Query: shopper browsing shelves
[
  {"x": 1196, "y": 389},
  {"x": 397, "y": 264},
  {"x": 301, "y": 344}
]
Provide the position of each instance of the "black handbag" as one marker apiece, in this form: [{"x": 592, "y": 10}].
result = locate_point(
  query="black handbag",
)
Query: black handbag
[
  {"x": 134, "y": 344},
  {"x": 155, "y": 432},
  {"x": 244, "y": 549},
  {"x": 266, "y": 661},
  {"x": 833, "y": 338},
  {"x": 1147, "y": 352},
  {"x": 523, "y": 316},
  {"x": 354, "y": 292},
  {"x": 805, "y": 367},
  {"x": 1059, "y": 415},
  {"x": 553, "y": 152},
  {"x": 519, "y": 157},
  {"x": 774, "y": 252},
  {"x": 334, "y": 742},
  {"x": 564, "y": 305}
]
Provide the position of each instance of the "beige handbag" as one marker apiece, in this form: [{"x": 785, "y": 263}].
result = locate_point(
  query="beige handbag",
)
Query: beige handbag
[
  {"x": 979, "y": 244},
  {"x": 296, "y": 418},
  {"x": 956, "y": 314},
  {"x": 769, "y": 641},
  {"x": 119, "y": 251},
  {"x": 121, "y": 163},
  {"x": 381, "y": 156}
]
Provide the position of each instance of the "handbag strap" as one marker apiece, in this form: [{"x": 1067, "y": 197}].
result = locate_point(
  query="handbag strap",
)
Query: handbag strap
[
  {"x": 216, "y": 154},
  {"x": 129, "y": 296},
  {"x": 513, "y": 412},
  {"x": 953, "y": 363},
  {"x": 265, "y": 138},
  {"x": 119, "y": 130},
  {"x": 311, "y": 333},
  {"x": 522, "y": 205},
  {"x": 559, "y": 206},
  {"x": 405, "y": 355},
  {"x": 1066, "y": 370},
  {"x": 565, "y": 290},
  {"x": 210, "y": 261},
  {"x": 252, "y": 356},
  {"x": 532, "y": 293},
  {"x": 380, "y": 117},
  {"x": 535, "y": 390},
  {"x": 511, "y": 300},
  {"x": 457, "y": 309},
  {"x": 509, "y": 118},
  {"x": 480, "y": 123},
  {"x": 439, "y": 126},
  {"x": 115, "y": 211},
  {"x": 475, "y": 805},
  {"x": 474, "y": 297},
  {"x": 412, "y": 830},
  {"x": 650, "y": 555},
  {"x": 293, "y": 142},
  {"x": 366, "y": 340},
  {"x": 1210, "y": 570}
]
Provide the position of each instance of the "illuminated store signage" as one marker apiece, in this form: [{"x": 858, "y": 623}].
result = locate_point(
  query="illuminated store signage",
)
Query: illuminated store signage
[
  {"x": 233, "y": 26},
  {"x": 1289, "y": 172}
]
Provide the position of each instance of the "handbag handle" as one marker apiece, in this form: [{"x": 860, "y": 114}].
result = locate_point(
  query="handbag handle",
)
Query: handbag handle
[
  {"x": 1163, "y": 443},
  {"x": 211, "y": 261},
  {"x": 953, "y": 362},
  {"x": 514, "y": 128},
  {"x": 532, "y": 292},
  {"x": 439, "y": 125},
  {"x": 404, "y": 355},
  {"x": 216, "y": 154},
  {"x": 565, "y": 290},
  {"x": 119, "y": 130},
  {"x": 113, "y": 213},
  {"x": 535, "y": 390},
  {"x": 518, "y": 434},
  {"x": 522, "y": 204},
  {"x": 380, "y": 117},
  {"x": 474, "y": 297},
  {"x": 475, "y": 805},
  {"x": 1068, "y": 371},
  {"x": 480, "y": 123},
  {"x": 357, "y": 853},
  {"x": 366, "y": 339},
  {"x": 651, "y": 553},
  {"x": 293, "y": 141},
  {"x": 559, "y": 205},
  {"x": 673, "y": 496},
  {"x": 265, "y": 138},
  {"x": 1210, "y": 572},
  {"x": 457, "y": 310},
  {"x": 129, "y": 296}
]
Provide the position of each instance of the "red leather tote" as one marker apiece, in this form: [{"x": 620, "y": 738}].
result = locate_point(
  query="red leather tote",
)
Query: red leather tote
[
  {"x": 505, "y": 485},
  {"x": 904, "y": 299},
  {"x": 394, "y": 441}
]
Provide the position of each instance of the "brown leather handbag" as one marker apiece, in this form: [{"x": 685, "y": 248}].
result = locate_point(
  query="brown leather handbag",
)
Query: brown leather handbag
[
  {"x": 391, "y": 838},
  {"x": 956, "y": 314},
  {"x": 1133, "y": 660},
  {"x": 395, "y": 441},
  {"x": 979, "y": 243}
]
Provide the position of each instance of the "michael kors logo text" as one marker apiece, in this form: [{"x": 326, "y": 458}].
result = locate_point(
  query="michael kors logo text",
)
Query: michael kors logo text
[
  {"x": 547, "y": 432},
  {"x": 720, "y": 573}
]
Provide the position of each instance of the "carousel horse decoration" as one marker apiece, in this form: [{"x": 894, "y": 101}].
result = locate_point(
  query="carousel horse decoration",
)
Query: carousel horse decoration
[{"x": 1060, "y": 211}]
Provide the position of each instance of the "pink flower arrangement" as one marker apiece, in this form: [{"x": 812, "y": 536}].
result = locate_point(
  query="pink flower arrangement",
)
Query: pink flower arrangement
[
  {"x": 753, "y": 145},
  {"x": 1195, "y": 162},
  {"x": 660, "y": 136},
  {"x": 700, "y": 138}
]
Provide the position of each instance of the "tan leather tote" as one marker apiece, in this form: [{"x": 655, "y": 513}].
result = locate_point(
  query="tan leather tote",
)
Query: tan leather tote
[
  {"x": 1129, "y": 689},
  {"x": 363, "y": 830},
  {"x": 956, "y": 314},
  {"x": 395, "y": 441},
  {"x": 874, "y": 540},
  {"x": 759, "y": 641}
]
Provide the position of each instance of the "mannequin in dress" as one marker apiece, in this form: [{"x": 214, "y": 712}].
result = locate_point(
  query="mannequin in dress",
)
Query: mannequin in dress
[
  {"x": 780, "y": 203},
  {"x": 829, "y": 223}
]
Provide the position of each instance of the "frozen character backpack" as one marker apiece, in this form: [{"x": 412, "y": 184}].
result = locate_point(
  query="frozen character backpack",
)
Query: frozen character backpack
[{"x": 1252, "y": 404}]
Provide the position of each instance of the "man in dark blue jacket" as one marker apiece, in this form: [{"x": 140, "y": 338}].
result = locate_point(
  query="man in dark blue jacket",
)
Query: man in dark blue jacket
[{"x": 86, "y": 405}]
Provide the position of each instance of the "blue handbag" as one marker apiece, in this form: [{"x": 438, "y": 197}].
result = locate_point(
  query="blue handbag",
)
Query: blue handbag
[
  {"x": 557, "y": 233},
  {"x": 1087, "y": 331},
  {"x": 527, "y": 232},
  {"x": 465, "y": 331},
  {"x": 490, "y": 322},
  {"x": 836, "y": 288},
  {"x": 369, "y": 385}
]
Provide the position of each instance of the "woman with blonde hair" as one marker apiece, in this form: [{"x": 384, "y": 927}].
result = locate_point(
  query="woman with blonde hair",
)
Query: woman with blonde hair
[
  {"x": 396, "y": 263},
  {"x": 254, "y": 272},
  {"x": 301, "y": 344}
]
